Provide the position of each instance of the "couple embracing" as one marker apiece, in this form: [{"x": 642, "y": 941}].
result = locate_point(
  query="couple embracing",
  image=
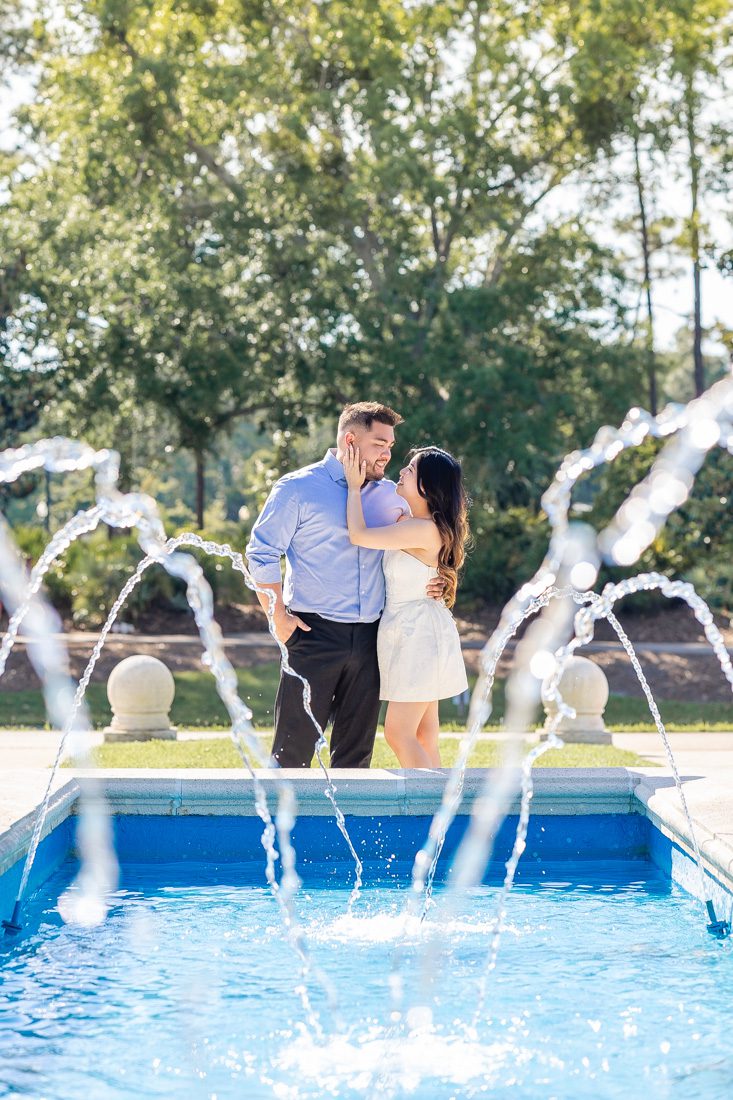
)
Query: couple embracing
[{"x": 371, "y": 570}]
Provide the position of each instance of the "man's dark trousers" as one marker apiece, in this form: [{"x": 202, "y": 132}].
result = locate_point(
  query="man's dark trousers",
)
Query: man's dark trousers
[{"x": 339, "y": 660}]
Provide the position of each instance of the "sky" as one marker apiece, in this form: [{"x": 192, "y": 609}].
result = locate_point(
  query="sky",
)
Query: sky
[{"x": 672, "y": 293}]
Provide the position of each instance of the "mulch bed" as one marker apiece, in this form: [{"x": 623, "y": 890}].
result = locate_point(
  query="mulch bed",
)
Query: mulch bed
[{"x": 670, "y": 676}]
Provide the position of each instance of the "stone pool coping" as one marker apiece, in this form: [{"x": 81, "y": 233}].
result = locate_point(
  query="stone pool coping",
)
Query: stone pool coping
[{"x": 574, "y": 791}]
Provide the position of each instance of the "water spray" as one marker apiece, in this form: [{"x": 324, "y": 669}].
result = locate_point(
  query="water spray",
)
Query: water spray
[{"x": 691, "y": 431}]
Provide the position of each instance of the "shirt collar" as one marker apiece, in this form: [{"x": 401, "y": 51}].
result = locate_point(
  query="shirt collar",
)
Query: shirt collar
[
  {"x": 336, "y": 470},
  {"x": 334, "y": 467}
]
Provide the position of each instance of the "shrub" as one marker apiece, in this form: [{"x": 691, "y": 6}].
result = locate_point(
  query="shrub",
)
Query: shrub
[
  {"x": 87, "y": 579},
  {"x": 227, "y": 583},
  {"x": 714, "y": 582},
  {"x": 508, "y": 547}
]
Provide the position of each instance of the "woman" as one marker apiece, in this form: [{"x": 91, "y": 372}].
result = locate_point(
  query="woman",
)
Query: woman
[{"x": 418, "y": 646}]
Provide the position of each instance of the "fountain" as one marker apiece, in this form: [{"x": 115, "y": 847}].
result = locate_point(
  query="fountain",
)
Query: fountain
[
  {"x": 572, "y": 561},
  {"x": 86, "y": 901},
  {"x": 563, "y": 608}
]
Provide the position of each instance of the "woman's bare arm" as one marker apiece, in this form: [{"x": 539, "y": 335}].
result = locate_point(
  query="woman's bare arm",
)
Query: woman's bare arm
[{"x": 408, "y": 534}]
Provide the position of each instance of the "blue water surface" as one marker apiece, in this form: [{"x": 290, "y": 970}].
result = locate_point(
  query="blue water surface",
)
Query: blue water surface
[{"x": 606, "y": 985}]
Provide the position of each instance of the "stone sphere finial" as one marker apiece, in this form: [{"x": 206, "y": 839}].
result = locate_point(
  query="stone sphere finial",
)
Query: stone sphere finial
[
  {"x": 584, "y": 687},
  {"x": 140, "y": 690}
]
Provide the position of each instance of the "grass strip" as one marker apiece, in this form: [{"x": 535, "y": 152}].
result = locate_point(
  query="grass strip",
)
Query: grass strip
[
  {"x": 220, "y": 753},
  {"x": 198, "y": 706}
]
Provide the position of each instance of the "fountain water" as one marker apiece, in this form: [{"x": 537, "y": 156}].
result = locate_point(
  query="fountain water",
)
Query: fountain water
[
  {"x": 86, "y": 901},
  {"x": 87, "y": 521},
  {"x": 562, "y": 582},
  {"x": 599, "y": 608},
  {"x": 572, "y": 561}
]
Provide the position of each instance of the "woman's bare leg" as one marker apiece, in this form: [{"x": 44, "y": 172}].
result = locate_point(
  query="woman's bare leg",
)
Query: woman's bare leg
[
  {"x": 400, "y": 732},
  {"x": 428, "y": 734}
]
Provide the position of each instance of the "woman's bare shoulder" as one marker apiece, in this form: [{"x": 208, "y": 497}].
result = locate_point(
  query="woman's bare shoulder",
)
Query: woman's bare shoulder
[{"x": 432, "y": 527}]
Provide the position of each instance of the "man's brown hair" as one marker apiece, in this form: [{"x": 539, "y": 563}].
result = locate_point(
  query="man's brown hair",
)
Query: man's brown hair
[{"x": 362, "y": 414}]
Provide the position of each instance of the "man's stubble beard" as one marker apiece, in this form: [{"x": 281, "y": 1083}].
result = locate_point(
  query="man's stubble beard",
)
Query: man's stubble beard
[{"x": 372, "y": 474}]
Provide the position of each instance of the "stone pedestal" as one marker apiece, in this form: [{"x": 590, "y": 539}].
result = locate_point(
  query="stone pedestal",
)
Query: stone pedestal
[
  {"x": 140, "y": 691},
  {"x": 584, "y": 687}
]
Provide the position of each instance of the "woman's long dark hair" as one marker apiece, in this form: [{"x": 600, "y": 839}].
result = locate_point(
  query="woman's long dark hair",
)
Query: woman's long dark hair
[{"x": 440, "y": 484}]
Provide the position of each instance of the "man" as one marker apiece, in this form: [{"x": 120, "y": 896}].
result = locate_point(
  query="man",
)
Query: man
[{"x": 328, "y": 613}]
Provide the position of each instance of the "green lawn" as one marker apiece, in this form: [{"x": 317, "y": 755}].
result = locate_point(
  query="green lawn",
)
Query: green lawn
[
  {"x": 197, "y": 706},
  {"x": 220, "y": 753}
]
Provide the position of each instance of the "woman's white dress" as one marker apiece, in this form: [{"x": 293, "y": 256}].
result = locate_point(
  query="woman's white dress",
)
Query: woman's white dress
[{"x": 418, "y": 645}]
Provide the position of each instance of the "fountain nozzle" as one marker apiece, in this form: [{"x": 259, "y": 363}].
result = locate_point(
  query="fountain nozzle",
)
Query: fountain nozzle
[
  {"x": 718, "y": 928},
  {"x": 13, "y": 925}
]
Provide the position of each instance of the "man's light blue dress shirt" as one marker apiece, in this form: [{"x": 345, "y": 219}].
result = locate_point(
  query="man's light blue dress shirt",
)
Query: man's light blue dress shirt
[{"x": 304, "y": 518}]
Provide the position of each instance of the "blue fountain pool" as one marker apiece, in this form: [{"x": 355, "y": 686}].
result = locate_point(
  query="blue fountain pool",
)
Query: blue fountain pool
[{"x": 607, "y": 983}]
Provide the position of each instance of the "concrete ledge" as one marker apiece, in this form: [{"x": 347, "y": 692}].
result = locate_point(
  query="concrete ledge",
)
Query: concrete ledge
[
  {"x": 377, "y": 792},
  {"x": 15, "y": 841},
  {"x": 572, "y": 791},
  {"x": 661, "y": 804},
  {"x": 568, "y": 791}
]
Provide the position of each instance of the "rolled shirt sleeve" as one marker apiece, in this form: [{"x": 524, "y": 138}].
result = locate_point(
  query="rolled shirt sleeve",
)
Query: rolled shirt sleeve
[
  {"x": 272, "y": 534},
  {"x": 304, "y": 521}
]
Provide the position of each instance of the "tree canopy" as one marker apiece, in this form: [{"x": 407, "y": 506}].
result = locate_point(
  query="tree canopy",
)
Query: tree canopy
[{"x": 256, "y": 210}]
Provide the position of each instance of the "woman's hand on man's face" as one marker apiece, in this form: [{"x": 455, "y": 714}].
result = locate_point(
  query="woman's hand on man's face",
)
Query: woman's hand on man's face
[{"x": 354, "y": 468}]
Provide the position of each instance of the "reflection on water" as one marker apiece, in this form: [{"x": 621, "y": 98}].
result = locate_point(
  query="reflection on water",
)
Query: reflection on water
[{"x": 187, "y": 990}]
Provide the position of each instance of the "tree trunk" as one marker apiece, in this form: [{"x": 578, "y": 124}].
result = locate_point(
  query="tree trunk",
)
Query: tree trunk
[
  {"x": 651, "y": 363},
  {"x": 200, "y": 490},
  {"x": 699, "y": 369}
]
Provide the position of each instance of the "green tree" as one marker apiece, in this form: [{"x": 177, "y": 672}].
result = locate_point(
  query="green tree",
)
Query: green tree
[
  {"x": 24, "y": 389},
  {"x": 700, "y": 57},
  {"x": 263, "y": 209},
  {"x": 144, "y": 286}
]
